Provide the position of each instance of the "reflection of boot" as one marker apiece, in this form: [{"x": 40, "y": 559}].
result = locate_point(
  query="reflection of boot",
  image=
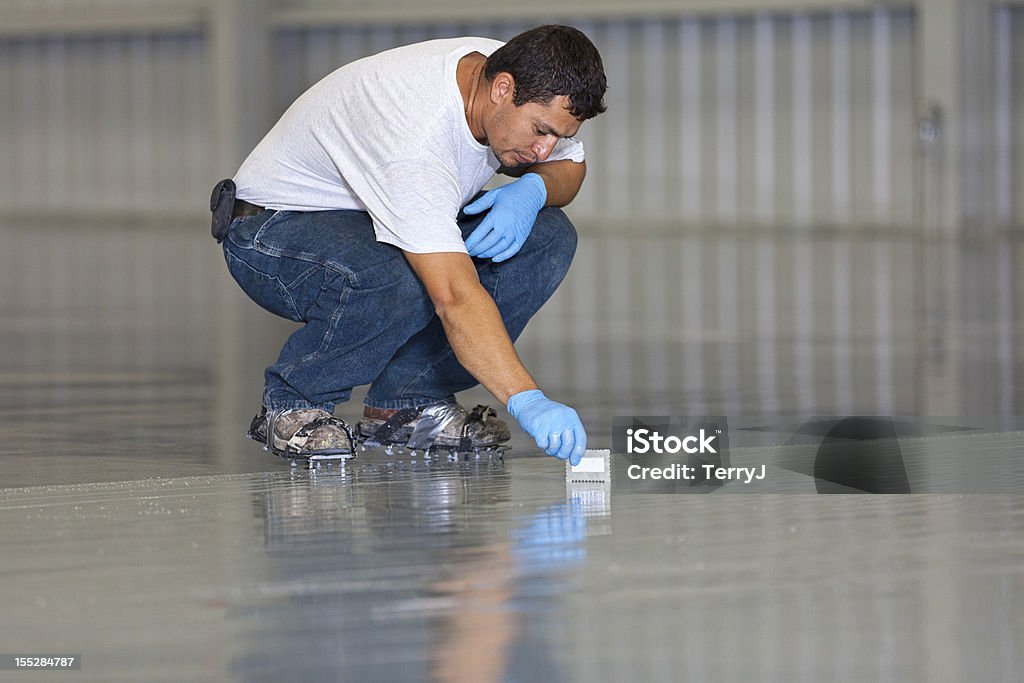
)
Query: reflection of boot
[
  {"x": 301, "y": 432},
  {"x": 445, "y": 424}
]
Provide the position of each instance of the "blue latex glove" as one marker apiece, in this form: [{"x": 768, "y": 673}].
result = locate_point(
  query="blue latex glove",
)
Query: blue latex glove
[
  {"x": 513, "y": 209},
  {"x": 554, "y": 426}
]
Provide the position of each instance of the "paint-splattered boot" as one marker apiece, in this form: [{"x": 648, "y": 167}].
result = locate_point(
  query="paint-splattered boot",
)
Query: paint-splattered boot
[
  {"x": 444, "y": 424},
  {"x": 302, "y": 433}
]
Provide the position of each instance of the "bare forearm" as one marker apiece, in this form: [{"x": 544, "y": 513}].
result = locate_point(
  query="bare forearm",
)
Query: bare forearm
[
  {"x": 477, "y": 334},
  {"x": 562, "y": 179}
]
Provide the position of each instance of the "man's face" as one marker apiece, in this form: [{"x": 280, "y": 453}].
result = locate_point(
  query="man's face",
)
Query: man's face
[{"x": 520, "y": 136}]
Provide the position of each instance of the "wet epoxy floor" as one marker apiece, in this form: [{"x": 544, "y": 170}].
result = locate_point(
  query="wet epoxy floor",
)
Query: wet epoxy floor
[
  {"x": 489, "y": 571},
  {"x": 141, "y": 531}
]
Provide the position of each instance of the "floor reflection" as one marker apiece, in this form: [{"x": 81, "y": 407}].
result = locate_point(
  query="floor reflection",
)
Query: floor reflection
[{"x": 397, "y": 573}]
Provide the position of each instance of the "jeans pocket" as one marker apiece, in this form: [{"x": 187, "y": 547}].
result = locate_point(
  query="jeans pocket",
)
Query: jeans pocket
[
  {"x": 265, "y": 289},
  {"x": 278, "y": 236}
]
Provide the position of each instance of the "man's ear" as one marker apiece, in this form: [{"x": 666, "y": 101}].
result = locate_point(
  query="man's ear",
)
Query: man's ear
[{"x": 503, "y": 86}]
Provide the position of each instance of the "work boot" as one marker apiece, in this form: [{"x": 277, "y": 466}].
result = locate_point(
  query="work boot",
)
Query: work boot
[
  {"x": 301, "y": 432},
  {"x": 445, "y": 424}
]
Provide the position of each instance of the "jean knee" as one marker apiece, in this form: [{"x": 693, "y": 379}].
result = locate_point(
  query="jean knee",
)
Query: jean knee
[{"x": 560, "y": 238}]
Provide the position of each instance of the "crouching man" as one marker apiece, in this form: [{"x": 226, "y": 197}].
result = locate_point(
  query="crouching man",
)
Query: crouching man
[{"x": 360, "y": 215}]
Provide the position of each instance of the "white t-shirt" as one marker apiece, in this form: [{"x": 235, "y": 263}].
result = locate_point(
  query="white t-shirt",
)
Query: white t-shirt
[{"x": 386, "y": 134}]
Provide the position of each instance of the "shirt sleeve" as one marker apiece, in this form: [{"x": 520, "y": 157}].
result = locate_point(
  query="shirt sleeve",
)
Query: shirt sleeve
[{"x": 567, "y": 148}]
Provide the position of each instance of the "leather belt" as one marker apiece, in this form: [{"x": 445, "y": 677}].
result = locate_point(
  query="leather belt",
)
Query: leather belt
[{"x": 244, "y": 208}]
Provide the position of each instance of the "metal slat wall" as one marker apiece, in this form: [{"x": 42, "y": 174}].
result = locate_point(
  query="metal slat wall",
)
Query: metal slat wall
[
  {"x": 744, "y": 325},
  {"x": 1007, "y": 139},
  {"x": 790, "y": 119},
  {"x": 999, "y": 363},
  {"x": 769, "y": 120},
  {"x": 795, "y": 120},
  {"x": 782, "y": 119},
  {"x": 103, "y": 124}
]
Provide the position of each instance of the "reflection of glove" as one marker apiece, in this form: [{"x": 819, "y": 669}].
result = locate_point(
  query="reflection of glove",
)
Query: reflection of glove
[
  {"x": 554, "y": 426},
  {"x": 513, "y": 209},
  {"x": 551, "y": 538}
]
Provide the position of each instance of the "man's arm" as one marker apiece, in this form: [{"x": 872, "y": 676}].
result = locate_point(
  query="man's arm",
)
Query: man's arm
[
  {"x": 562, "y": 178},
  {"x": 472, "y": 322},
  {"x": 477, "y": 334}
]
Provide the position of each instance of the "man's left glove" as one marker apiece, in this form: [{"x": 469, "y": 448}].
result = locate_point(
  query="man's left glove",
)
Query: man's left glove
[
  {"x": 513, "y": 209},
  {"x": 554, "y": 426}
]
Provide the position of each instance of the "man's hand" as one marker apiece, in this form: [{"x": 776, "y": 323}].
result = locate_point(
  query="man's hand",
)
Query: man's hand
[
  {"x": 513, "y": 210},
  {"x": 554, "y": 426}
]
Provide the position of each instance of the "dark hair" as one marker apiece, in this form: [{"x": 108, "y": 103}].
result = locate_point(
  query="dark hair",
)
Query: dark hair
[{"x": 553, "y": 60}]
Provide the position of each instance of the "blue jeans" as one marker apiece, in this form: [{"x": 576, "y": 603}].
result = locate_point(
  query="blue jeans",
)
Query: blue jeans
[{"x": 367, "y": 316}]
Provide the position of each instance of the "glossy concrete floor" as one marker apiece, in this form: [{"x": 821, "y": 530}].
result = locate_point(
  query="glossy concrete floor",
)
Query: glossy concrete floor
[{"x": 142, "y": 532}]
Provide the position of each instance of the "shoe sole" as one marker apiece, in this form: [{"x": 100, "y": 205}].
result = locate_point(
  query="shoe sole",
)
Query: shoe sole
[{"x": 312, "y": 459}]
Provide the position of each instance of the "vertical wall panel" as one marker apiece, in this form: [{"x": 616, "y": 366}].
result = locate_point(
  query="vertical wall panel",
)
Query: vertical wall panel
[
  {"x": 764, "y": 118},
  {"x": 1003, "y": 129},
  {"x": 8, "y": 162},
  {"x": 786, "y": 136},
  {"x": 821, "y": 128},
  {"x": 802, "y": 117},
  {"x": 862, "y": 108},
  {"x": 1016, "y": 99},
  {"x": 725, "y": 146},
  {"x": 767, "y": 330},
  {"x": 745, "y": 138},
  {"x": 56, "y": 85},
  {"x": 883, "y": 280},
  {"x": 692, "y": 377},
  {"x": 620, "y": 140},
  {"x": 881, "y": 98},
  {"x": 709, "y": 118},
  {"x": 841, "y": 111},
  {"x": 690, "y": 121},
  {"x": 903, "y": 131},
  {"x": 653, "y": 163}
]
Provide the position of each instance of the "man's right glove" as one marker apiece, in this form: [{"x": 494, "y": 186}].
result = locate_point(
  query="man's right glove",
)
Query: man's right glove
[
  {"x": 513, "y": 210},
  {"x": 554, "y": 426}
]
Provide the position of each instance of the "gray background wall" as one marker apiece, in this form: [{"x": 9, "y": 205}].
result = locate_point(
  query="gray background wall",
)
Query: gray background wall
[
  {"x": 728, "y": 113},
  {"x": 763, "y": 146}
]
